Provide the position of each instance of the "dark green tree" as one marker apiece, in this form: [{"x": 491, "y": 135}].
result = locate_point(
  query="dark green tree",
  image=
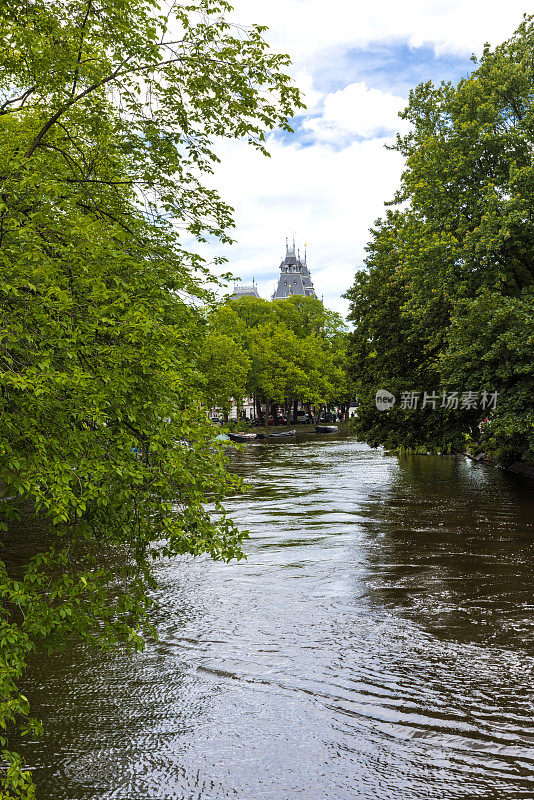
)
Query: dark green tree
[{"x": 459, "y": 249}]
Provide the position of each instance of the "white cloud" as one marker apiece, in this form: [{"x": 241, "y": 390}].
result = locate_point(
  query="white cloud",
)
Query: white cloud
[
  {"x": 304, "y": 28},
  {"x": 331, "y": 191},
  {"x": 327, "y": 198},
  {"x": 358, "y": 111},
  {"x": 310, "y": 96}
]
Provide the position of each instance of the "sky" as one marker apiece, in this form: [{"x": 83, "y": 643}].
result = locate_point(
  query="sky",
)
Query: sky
[{"x": 326, "y": 184}]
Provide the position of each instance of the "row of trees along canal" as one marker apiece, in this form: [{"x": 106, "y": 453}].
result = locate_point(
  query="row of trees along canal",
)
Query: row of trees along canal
[
  {"x": 446, "y": 302},
  {"x": 280, "y": 352}
]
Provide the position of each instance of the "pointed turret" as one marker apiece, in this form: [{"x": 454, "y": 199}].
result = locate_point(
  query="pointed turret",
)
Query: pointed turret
[{"x": 295, "y": 276}]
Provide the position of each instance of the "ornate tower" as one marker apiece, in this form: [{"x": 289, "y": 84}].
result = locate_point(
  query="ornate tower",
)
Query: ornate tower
[
  {"x": 245, "y": 290},
  {"x": 295, "y": 276}
]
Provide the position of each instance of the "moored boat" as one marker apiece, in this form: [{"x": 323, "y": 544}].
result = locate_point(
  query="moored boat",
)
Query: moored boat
[
  {"x": 242, "y": 437},
  {"x": 281, "y": 433},
  {"x": 326, "y": 428}
]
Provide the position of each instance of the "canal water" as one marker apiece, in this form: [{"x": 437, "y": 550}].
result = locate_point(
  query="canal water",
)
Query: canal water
[{"x": 377, "y": 643}]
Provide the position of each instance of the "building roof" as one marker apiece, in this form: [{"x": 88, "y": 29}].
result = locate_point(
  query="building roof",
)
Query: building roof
[
  {"x": 245, "y": 290},
  {"x": 295, "y": 276}
]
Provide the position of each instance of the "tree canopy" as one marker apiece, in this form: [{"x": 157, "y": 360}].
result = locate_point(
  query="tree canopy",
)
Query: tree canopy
[
  {"x": 291, "y": 349},
  {"x": 110, "y": 114},
  {"x": 446, "y": 302}
]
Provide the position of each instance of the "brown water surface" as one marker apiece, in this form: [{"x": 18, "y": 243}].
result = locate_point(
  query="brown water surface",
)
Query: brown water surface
[{"x": 377, "y": 644}]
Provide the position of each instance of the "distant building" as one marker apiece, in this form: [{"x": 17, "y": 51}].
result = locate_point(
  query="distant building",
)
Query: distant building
[
  {"x": 295, "y": 276},
  {"x": 244, "y": 290}
]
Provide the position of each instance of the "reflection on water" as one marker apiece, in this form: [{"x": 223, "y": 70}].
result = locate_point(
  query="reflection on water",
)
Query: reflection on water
[{"x": 376, "y": 644}]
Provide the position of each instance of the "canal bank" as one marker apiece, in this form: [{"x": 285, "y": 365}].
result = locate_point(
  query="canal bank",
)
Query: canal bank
[{"x": 518, "y": 467}]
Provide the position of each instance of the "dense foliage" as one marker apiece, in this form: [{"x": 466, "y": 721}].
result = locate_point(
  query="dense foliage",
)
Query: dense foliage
[
  {"x": 282, "y": 352},
  {"x": 109, "y": 113},
  {"x": 446, "y": 304}
]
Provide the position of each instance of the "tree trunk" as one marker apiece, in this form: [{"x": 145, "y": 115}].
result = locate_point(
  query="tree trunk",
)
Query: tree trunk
[{"x": 257, "y": 409}]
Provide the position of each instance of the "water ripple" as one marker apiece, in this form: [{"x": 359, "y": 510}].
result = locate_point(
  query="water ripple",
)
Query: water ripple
[{"x": 376, "y": 643}]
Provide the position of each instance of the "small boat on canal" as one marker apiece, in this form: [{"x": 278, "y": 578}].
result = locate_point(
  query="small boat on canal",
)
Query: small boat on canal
[
  {"x": 281, "y": 433},
  {"x": 242, "y": 437},
  {"x": 326, "y": 428}
]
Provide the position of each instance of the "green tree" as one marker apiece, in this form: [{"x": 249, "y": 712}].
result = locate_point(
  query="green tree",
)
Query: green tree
[
  {"x": 109, "y": 116},
  {"x": 491, "y": 345},
  {"x": 461, "y": 244},
  {"x": 296, "y": 348},
  {"x": 252, "y": 311},
  {"x": 224, "y": 370}
]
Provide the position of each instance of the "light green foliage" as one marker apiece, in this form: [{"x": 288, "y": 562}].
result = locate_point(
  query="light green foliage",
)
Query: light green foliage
[
  {"x": 224, "y": 368},
  {"x": 290, "y": 349},
  {"x": 109, "y": 113},
  {"x": 446, "y": 301}
]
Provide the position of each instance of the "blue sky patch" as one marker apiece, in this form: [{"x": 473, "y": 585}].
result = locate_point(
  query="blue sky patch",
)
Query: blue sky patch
[{"x": 393, "y": 67}]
